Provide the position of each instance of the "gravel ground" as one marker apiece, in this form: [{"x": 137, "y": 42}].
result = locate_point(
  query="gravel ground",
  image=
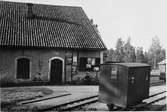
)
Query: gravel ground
[{"x": 11, "y": 96}]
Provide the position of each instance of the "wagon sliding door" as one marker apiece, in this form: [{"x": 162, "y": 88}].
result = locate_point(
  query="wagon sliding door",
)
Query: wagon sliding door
[
  {"x": 23, "y": 68},
  {"x": 132, "y": 87}
]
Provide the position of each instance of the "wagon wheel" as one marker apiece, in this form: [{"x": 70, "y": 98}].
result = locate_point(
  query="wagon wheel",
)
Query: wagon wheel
[{"x": 110, "y": 106}]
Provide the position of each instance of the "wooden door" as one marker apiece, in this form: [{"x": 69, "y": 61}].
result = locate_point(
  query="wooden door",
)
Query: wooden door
[{"x": 56, "y": 71}]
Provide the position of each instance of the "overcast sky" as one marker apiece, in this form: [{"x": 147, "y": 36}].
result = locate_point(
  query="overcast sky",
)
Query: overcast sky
[{"x": 139, "y": 19}]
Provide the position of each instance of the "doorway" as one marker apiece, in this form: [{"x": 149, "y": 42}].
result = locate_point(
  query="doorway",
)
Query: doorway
[{"x": 56, "y": 70}]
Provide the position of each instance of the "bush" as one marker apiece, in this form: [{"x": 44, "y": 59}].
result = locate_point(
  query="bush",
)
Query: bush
[{"x": 85, "y": 78}]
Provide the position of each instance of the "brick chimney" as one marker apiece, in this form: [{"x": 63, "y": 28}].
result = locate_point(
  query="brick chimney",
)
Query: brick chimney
[
  {"x": 91, "y": 21},
  {"x": 30, "y": 11}
]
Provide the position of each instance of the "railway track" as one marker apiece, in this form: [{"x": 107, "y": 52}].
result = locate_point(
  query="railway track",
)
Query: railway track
[
  {"x": 147, "y": 104},
  {"x": 157, "y": 83},
  {"x": 138, "y": 107},
  {"x": 71, "y": 105},
  {"x": 79, "y": 103},
  {"x": 76, "y": 105}
]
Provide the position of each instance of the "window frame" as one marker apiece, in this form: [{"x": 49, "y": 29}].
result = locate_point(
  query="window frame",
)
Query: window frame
[{"x": 92, "y": 66}]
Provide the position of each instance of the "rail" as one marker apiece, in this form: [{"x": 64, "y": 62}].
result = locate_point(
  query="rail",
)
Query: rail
[{"x": 73, "y": 105}]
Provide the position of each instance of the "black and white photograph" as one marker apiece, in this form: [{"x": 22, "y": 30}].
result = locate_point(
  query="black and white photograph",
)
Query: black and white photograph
[{"x": 83, "y": 55}]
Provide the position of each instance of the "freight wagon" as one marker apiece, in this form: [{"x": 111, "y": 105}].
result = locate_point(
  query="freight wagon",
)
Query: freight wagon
[{"x": 123, "y": 84}]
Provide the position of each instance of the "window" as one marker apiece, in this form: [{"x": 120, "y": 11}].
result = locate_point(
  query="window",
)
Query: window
[
  {"x": 88, "y": 64},
  {"x": 97, "y": 61},
  {"x": 23, "y": 68},
  {"x": 82, "y": 64},
  {"x": 68, "y": 60}
]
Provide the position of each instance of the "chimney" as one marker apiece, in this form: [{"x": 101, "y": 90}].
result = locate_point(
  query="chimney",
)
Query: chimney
[
  {"x": 91, "y": 21},
  {"x": 96, "y": 27},
  {"x": 30, "y": 12}
]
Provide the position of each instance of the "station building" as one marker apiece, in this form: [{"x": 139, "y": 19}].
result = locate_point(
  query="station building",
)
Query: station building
[{"x": 46, "y": 43}]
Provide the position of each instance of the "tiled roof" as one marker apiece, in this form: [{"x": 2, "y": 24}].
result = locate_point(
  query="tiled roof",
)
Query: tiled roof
[{"x": 51, "y": 26}]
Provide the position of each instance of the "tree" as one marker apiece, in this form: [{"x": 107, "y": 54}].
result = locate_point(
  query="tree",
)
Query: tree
[
  {"x": 129, "y": 52},
  {"x": 155, "y": 53},
  {"x": 111, "y": 55},
  {"x": 139, "y": 55},
  {"x": 146, "y": 57},
  {"x": 119, "y": 50}
]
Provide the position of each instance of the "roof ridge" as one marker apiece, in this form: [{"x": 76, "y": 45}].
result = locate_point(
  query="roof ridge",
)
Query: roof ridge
[{"x": 42, "y": 4}]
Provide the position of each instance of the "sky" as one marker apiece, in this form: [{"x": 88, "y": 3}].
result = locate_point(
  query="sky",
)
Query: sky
[{"x": 141, "y": 20}]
